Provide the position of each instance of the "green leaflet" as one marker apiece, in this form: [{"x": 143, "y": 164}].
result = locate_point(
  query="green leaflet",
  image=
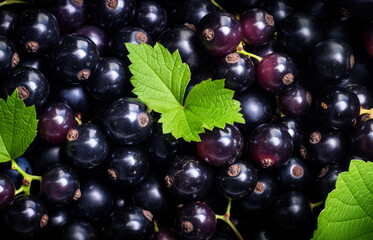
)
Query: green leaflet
[
  {"x": 160, "y": 80},
  {"x": 348, "y": 212},
  {"x": 18, "y": 126}
]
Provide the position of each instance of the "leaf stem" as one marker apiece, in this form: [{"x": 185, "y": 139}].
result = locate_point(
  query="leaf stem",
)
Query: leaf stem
[
  {"x": 315, "y": 205},
  {"x": 226, "y": 218},
  {"x": 240, "y": 49},
  {"x": 27, "y": 178},
  {"x": 8, "y": 2}
]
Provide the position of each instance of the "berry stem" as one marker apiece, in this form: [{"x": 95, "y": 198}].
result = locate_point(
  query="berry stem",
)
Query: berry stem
[
  {"x": 366, "y": 111},
  {"x": 78, "y": 118},
  {"x": 315, "y": 205},
  {"x": 217, "y": 5},
  {"x": 240, "y": 49},
  {"x": 226, "y": 218},
  {"x": 156, "y": 229},
  {"x": 27, "y": 178},
  {"x": 8, "y": 2}
]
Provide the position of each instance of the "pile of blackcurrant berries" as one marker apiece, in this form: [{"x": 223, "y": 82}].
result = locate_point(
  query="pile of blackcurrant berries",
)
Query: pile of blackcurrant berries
[{"x": 301, "y": 70}]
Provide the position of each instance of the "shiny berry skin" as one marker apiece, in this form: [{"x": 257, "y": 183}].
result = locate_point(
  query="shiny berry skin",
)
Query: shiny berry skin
[
  {"x": 361, "y": 139},
  {"x": 74, "y": 57},
  {"x": 151, "y": 195},
  {"x": 221, "y": 147},
  {"x": 292, "y": 210},
  {"x": 295, "y": 102},
  {"x": 276, "y": 72},
  {"x": 8, "y": 55},
  {"x": 26, "y": 215},
  {"x": 86, "y": 146},
  {"x": 36, "y": 30},
  {"x": 299, "y": 33},
  {"x": 31, "y": 84},
  {"x": 130, "y": 222},
  {"x": 332, "y": 60},
  {"x": 270, "y": 145},
  {"x": 220, "y": 33},
  {"x": 264, "y": 194},
  {"x": 325, "y": 181},
  {"x": 164, "y": 234},
  {"x": 295, "y": 174},
  {"x": 256, "y": 108},
  {"x": 236, "y": 180},
  {"x": 7, "y": 191},
  {"x": 111, "y": 14},
  {"x": 127, "y": 34},
  {"x": 363, "y": 93},
  {"x": 237, "y": 69},
  {"x": 96, "y": 200},
  {"x": 7, "y": 18},
  {"x": 127, "y": 166},
  {"x": 76, "y": 96},
  {"x": 57, "y": 216},
  {"x": 55, "y": 120},
  {"x": 78, "y": 229},
  {"x": 188, "y": 178},
  {"x": 150, "y": 16},
  {"x": 128, "y": 121},
  {"x": 196, "y": 220},
  {"x": 195, "y": 10},
  {"x": 96, "y": 34},
  {"x": 323, "y": 146},
  {"x": 339, "y": 108},
  {"x": 109, "y": 81},
  {"x": 294, "y": 127},
  {"x": 60, "y": 185},
  {"x": 70, "y": 14},
  {"x": 279, "y": 9},
  {"x": 45, "y": 155},
  {"x": 258, "y": 27},
  {"x": 185, "y": 40}
]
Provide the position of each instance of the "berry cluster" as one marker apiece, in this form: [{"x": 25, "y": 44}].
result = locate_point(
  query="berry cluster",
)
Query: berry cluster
[{"x": 301, "y": 70}]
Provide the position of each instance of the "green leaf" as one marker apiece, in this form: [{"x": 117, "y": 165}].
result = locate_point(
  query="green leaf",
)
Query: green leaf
[
  {"x": 18, "y": 126},
  {"x": 348, "y": 212},
  {"x": 160, "y": 80}
]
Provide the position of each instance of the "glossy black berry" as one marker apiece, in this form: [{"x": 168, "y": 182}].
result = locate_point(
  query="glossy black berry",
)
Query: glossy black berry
[
  {"x": 9, "y": 57},
  {"x": 361, "y": 139},
  {"x": 220, "y": 33},
  {"x": 96, "y": 200},
  {"x": 70, "y": 13},
  {"x": 339, "y": 108},
  {"x": 128, "y": 121},
  {"x": 292, "y": 210},
  {"x": 7, "y": 18},
  {"x": 270, "y": 145},
  {"x": 150, "y": 16},
  {"x": 237, "y": 69},
  {"x": 195, "y": 10},
  {"x": 31, "y": 84},
  {"x": 110, "y": 14},
  {"x": 188, "y": 178},
  {"x": 60, "y": 185},
  {"x": 109, "y": 81},
  {"x": 26, "y": 215},
  {"x": 295, "y": 174},
  {"x": 15, "y": 175},
  {"x": 97, "y": 35},
  {"x": 36, "y": 30},
  {"x": 86, "y": 146},
  {"x": 7, "y": 191},
  {"x": 78, "y": 229},
  {"x": 75, "y": 57},
  {"x": 332, "y": 60},
  {"x": 323, "y": 146},
  {"x": 127, "y": 166},
  {"x": 130, "y": 222},
  {"x": 236, "y": 180},
  {"x": 196, "y": 220}
]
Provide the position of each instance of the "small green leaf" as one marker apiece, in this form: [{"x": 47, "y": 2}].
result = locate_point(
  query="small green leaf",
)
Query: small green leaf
[
  {"x": 348, "y": 212},
  {"x": 160, "y": 80},
  {"x": 18, "y": 126}
]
